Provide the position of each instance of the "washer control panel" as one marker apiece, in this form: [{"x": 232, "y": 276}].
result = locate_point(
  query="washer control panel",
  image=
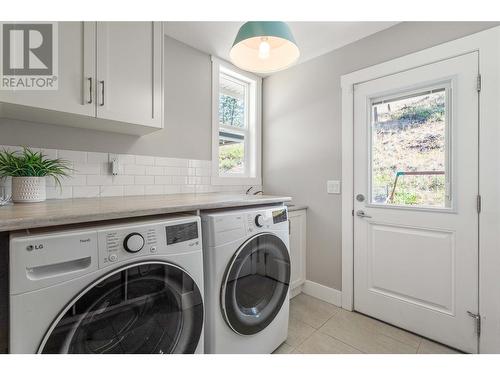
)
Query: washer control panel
[{"x": 127, "y": 241}]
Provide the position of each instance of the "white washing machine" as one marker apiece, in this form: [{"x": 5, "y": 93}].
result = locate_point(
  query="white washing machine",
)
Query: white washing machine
[
  {"x": 247, "y": 276},
  {"x": 134, "y": 286}
]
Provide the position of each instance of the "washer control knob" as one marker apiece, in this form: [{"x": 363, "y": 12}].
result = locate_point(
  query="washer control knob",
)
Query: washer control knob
[
  {"x": 134, "y": 242},
  {"x": 259, "y": 220},
  {"x": 113, "y": 258}
]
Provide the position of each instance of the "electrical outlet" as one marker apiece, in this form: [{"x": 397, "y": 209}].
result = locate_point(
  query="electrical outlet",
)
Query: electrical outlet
[
  {"x": 114, "y": 166},
  {"x": 333, "y": 187}
]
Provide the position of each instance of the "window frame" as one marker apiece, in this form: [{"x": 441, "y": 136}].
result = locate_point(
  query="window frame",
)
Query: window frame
[{"x": 252, "y": 132}]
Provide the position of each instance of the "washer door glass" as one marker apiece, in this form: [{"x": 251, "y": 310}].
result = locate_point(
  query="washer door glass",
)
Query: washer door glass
[
  {"x": 256, "y": 284},
  {"x": 150, "y": 307}
]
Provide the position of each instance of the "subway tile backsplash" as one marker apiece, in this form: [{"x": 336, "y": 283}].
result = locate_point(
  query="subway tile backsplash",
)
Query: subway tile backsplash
[{"x": 140, "y": 175}]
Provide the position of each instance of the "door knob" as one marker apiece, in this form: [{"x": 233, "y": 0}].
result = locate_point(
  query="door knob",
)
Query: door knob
[
  {"x": 361, "y": 213},
  {"x": 360, "y": 198}
]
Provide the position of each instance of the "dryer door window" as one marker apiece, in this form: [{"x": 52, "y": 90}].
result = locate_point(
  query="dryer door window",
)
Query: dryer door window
[
  {"x": 150, "y": 307},
  {"x": 256, "y": 284}
]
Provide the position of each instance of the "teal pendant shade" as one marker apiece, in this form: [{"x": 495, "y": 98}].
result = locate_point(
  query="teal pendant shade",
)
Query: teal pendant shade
[{"x": 264, "y": 47}]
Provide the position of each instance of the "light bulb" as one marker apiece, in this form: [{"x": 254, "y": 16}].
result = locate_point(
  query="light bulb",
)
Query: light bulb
[{"x": 264, "y": 49}]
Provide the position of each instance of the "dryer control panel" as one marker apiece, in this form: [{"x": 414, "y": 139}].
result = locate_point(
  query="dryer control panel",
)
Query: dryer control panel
[
  {"x": 222, "y": 227},
  {"x": 266, "y": 219}
]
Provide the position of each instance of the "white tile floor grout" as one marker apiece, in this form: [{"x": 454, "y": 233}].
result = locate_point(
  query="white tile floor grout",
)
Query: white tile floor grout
[{"x": 317, "y": 327}]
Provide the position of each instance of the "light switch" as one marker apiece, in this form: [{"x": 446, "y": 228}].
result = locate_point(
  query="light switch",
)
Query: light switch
[{"x": 333, "y": 187}]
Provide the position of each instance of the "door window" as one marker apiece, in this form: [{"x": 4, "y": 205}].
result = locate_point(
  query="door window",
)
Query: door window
[
  {"x": 256, "y": 284},
  {"x": 410, "y": 148},
  {"x": 147, "y": 308}
]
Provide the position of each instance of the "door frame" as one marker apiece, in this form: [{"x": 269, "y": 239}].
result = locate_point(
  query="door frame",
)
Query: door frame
[{"x": 487, "y": 44}]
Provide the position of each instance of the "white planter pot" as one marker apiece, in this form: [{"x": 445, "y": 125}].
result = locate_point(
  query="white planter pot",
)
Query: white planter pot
[{"x": 28, "y": 189}]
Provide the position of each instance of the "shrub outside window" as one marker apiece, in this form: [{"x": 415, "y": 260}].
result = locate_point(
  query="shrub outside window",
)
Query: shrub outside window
[{"x": 410, "y": 149}]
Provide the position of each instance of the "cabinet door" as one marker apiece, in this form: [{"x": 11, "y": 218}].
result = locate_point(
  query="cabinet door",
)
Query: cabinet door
[
  {"x": 297, "y": 248},
  {"x": 76, "y": 69},
  {"x": 129, "y": 72}
]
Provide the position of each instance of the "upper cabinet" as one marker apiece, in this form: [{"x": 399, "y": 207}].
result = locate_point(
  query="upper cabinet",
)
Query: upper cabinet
[
  {"x": 76, "y": 67},
  {"x": 129, "y": 72},
  {"x": 110, "y": 77}
]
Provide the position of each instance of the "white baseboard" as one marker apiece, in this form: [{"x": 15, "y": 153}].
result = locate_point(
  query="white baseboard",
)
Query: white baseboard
[
  {"x": 323, "y": 293},
  {"x": 296, "y": 291}
]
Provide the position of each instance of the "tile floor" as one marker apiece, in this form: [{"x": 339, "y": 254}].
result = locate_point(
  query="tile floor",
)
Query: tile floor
[{"x": 317, "y": 327}]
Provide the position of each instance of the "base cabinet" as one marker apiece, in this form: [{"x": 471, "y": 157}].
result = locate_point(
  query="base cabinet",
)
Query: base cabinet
[{"x": 298, "y": 244}]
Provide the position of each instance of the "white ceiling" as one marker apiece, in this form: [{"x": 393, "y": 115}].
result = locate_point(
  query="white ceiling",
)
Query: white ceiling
[{"x": 313, "y": 38}]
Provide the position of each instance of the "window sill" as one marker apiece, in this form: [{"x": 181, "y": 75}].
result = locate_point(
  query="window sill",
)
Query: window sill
[{"x": 220, "y": 181}]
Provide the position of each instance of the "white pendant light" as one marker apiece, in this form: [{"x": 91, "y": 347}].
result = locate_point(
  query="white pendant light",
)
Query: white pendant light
[{"x": 264, "y": 47}]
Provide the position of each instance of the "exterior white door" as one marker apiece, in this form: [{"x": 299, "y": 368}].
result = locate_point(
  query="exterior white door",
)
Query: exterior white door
[{"x": 415, "y": 207}]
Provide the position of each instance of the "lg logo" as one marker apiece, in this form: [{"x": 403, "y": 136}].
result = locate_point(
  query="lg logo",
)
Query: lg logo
[
  {"x": 34, "y": 247},
  {"x": 29, "y": 55}
]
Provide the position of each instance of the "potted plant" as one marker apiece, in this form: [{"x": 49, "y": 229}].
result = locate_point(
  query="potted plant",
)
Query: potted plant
[{"x": 29, "y": 170}]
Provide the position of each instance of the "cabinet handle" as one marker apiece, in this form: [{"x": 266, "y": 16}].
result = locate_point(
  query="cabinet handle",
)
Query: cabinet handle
[
  {"x": 90, "y": 90},
  {"x": 102, "y": 93}
]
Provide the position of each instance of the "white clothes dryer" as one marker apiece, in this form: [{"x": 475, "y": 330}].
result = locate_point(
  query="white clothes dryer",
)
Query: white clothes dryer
[{"x": 247, "y": 276}]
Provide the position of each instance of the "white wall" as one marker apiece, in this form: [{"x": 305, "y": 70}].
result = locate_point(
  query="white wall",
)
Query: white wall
[
  {"x": 302, "y": 130},
  {"x": 140, "y": 175}
]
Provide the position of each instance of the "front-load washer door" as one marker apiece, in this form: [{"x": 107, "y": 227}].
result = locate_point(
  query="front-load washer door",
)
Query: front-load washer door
[
  {"x": 149, "y": 307},
  {"x": 255, "y": 284}
]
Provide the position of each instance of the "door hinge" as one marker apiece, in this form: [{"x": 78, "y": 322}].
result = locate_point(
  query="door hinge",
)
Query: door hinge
[
  {"x": 477, "y": 320},
  {"x": 478, "y": 86},
  {"x": 478, "y": 204},
  {"x": 352, "y": 212}
]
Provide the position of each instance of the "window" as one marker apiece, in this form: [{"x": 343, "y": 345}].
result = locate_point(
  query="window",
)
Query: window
[
  {"x": 410, "y": 148},
  {"x": 236, "y": 127},
  {"x": 233, "y": 125}
]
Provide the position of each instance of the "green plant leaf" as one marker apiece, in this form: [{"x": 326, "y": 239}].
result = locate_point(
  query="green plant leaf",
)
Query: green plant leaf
[{"x": 29, "y": 163}]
